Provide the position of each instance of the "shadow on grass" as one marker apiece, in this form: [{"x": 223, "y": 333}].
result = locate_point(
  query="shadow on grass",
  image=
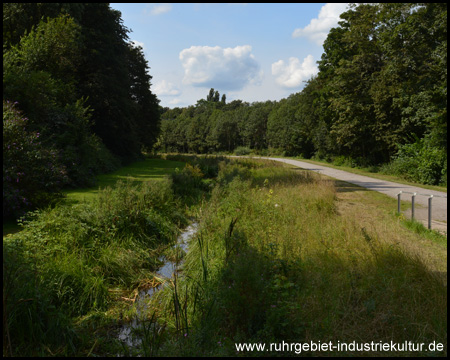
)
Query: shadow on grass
[
  {"x": 342, "y": 186},
  {"x": 259, "y": 297}
]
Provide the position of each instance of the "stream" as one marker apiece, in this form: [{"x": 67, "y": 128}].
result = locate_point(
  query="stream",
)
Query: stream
[{"x": 165, "y": 272}]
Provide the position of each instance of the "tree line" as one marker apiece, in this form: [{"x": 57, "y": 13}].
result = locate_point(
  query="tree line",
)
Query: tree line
[
  {"x": 380, "y": 98},
  {"x": 76, "y": 98}
]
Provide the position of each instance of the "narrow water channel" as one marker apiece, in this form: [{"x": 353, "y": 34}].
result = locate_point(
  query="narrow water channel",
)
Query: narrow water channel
[{"x": 165, "y": 272}]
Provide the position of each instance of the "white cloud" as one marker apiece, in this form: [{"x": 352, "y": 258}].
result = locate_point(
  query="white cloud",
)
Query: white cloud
[
  {"x": 165, "y": 88},
  {"x": 159, "y": 9},
  {"x": 318, "y": 29},
  {"x": 291, "y": 75},
  {"x": 221, "y": 68}
]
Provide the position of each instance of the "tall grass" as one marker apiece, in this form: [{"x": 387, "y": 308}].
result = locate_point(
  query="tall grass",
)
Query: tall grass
[
  {"x": 65, "y": 261},
  {"x": 275, "y": 261}
]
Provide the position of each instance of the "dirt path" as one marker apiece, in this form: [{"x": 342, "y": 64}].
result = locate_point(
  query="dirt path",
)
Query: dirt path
[{"x": 439, "y": 200}]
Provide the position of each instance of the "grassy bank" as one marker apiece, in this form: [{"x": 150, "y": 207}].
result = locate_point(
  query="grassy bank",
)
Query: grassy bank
[
  {"x": 72, "y": 272},
  {"x": 154, "y": 169},
  {"x": 280, "y": 255},
  {"x": 279, "y": 258},
  {"x": 69, "y": 269},
  {"x": 70, "y": 261}
]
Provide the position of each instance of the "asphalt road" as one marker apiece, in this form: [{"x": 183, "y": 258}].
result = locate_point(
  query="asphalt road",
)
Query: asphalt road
[{"x": 439, "y": 200}]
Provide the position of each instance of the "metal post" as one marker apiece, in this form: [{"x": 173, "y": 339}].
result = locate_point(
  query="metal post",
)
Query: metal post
[
  {"x": 399, "y": 195},
  {"x": 413, "y": 200},
  {"x": 429, "y": 211}
]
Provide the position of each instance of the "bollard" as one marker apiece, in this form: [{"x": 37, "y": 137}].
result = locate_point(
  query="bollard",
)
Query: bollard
[
  {"x": 413, "y": 200},
  {"x": 398, "y": 202},
  {"x": 429, "y": 211}
]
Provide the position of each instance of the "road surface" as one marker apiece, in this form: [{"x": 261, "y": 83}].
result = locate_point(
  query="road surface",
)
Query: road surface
[{"x": 439, "y": 200}]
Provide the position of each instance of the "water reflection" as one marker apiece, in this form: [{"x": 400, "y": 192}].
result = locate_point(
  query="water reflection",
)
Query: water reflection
[{"x": 165, "y": 273}]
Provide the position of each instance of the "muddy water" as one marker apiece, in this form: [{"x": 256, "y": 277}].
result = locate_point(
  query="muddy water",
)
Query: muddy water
[{"x": 165, "y": 272}]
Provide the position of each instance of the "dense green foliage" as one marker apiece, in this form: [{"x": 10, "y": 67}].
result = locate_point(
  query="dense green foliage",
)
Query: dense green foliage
[
  {"x": 70, "y": 69},
  {"x": 381, "y": 91},
  {"x": 65, "y": 260},
  {"x": 32, "y": 174}
]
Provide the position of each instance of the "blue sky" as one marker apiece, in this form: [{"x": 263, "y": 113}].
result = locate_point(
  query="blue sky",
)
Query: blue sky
[{"x": 252, "y": 52}]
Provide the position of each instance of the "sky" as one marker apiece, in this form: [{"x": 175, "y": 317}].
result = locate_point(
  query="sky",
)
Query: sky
[{"x": 247, "y": 51}]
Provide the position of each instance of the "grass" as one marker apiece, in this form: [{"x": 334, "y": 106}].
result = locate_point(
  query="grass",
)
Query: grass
[
  {"x": 420, "y": 229},
  {"x": 280, "y": 255},
  {"x": 374, "y": 210},
  {"x": 143, "y": 170},
  {"x": 70, "y": 265},
  {"x": 154, "y": 169}
]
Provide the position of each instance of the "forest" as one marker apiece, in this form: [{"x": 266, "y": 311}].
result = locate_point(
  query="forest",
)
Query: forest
[
  {"x": 379, "y": 99},
  {"x": 76, "y": 99}
]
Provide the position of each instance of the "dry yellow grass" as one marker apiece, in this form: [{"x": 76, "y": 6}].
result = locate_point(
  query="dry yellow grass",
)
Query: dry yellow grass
[
  {"x": 324, "y": 261},
  {"x": 374, "y": 212}
]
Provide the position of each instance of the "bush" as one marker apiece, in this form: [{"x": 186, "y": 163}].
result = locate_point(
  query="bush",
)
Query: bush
[
  {"x": 188, "y": 181},
  {"x": 32, "y": 173},
  {"x": 83, "y": 153},
  {"x": 242, "y": 150},
  {"x": 420, "y": 162}
]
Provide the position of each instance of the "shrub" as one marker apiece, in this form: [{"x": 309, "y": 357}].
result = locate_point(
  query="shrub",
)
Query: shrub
[
  {"x": 420, "y": 162},
  {"x": 82, "y": 153},
  {"x": 32, "y": 174},
  {"x": 242, "y": 150}
]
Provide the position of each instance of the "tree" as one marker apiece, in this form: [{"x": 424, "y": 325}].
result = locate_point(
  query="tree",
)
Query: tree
[
  {"x": 210, "y": 96},
  {"x": 226, "y": 131},
  {"x": 32, "y": 174},
  {"x": 216, "y": 97},
  {"x": 350, "y": 87},
  {"x": 104, "y": 78},
  {"x": 146, "y": 108},
  {"x": 99, "y": 63},
  {"x": 20, "y": 18},
  {"x": 40, "y": 74},
  {"x": 254, "y": 128}
]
